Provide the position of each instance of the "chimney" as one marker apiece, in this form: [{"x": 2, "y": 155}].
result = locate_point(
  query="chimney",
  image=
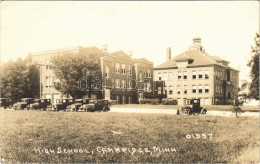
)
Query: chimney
[{"x": 168, "y": 53}]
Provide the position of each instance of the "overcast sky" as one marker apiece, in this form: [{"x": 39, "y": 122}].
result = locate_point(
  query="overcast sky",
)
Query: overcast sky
[{"x": 227, "y": 29}]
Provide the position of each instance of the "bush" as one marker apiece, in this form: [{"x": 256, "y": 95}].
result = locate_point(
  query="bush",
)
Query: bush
[
  {"x": 149, "y": 101},
  {"x": 168, "y": 101}
]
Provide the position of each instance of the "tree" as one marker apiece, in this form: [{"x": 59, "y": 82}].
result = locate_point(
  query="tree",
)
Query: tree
[
  {"x": 254, "y": 73},
  {"x": 70, "y": 68},
  {"x": 20, "y": 79},
  {"x": 238, "y": 100}
]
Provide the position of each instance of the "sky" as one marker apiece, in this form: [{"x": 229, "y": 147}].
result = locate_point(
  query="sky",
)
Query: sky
[{"x": 227, "y": 28}]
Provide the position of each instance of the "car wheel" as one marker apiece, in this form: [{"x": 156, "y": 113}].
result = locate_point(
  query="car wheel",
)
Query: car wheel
[
  {"x": 106, "y": 109},
  {"x": 89, "y": 110},
  {"x": 204, "y": 111}
]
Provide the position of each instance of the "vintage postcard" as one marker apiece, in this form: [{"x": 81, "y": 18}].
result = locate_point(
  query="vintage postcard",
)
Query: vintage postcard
[{"x": 129, "y": 82}]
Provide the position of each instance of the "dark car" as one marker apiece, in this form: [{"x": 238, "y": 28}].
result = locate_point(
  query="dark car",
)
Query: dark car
[
  {"x": 61, "y": 104},
  {"x": 40, "y": 104},
  {"x": 75, "y": 106},
  {"x": 84, "y": 104},
  {"x": 192, "y": 107},
  {"x": 6, "y": 103},
  {"x": 23, "y": 104},
  {"x": 98, "y": 105}
]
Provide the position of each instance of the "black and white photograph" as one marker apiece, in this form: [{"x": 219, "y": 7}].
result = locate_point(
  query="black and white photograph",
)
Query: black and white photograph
[{"x": 129, "y": 82}]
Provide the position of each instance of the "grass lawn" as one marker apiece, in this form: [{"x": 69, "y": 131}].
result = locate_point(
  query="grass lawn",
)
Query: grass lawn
[{"x": 80, "y": 137}]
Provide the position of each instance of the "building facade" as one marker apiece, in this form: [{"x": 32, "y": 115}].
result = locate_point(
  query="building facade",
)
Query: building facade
[
  {"x": 196, "y": 74},
  {"x": 124, "y": 78}
]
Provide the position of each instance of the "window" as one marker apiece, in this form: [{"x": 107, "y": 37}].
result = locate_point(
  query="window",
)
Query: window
[
  {"x": 179, "y": 75},
  {"x": 178, "y": 89},
  {"x": 200, "y": 88},
  {"x": 130, "y": 84},
  {"x": 170, "y": 90},
  {"x": 140, "y": 77},
  {"x": 206, "y": 101},
  {"x": 130, "y": 69},
  {"x": 148, "y": 73},
  {"x": 185, "y": 75},
  {"x": 200, "y": 74},
  {"x": 159, "y": 76},
  {"x": 185, "y": 89},
  {"x": 120, "y": 84},
  {"x": 49, "y": 81},
  {"x": 206, "y": 88},
  {"x": 148, "y": 86},
  {"x": 124, "y": 83},
  {"x": 194, "y": 89},
  {"x": 159, "y": 90},
  {"x": 165, "y": 76},
  {"x": 48, "y": 64},
  {"x": 117, "y": 68},
  {"x": 123, "y": 69},
  {"x": 206, "y": 74},
  {"x": 107, "y": 72},
  {"x": 193, "y": 74}
]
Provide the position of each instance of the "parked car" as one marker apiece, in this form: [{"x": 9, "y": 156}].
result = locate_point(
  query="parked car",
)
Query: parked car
[
  {"x": 23, "y": 104},
  {"x": 40, "y": 104},
  {"x": 169, "y": 101},
  {"x": 83, "y": 106},
  {"x": 98, "y": 105},
  {"x": 61, "y": 104},
  {"x": 6, "y": 103},
  {"x": 192, "y": 107}
]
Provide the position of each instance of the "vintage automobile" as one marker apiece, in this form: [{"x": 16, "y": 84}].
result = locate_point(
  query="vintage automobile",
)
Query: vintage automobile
[
  {"x": 98, "y": 105},
  {"x": 192, "y": 107},
  {"x": 6, "y": 103},
  {"x": 40, "y": 104},
  {"x": 24, "y": 104},
  {"x": 84, "y": 104},
  {"x": 61, "y": 104},
  {"x": 169, "y": 101}
]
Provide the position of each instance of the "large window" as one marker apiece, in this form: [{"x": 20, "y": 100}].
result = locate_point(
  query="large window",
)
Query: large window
[
  {"x": 185, "y": 75},
  {"x": 185, "y": 89},
  {"x": 123, "y": 69},
  {"x": 159, "y": 76},
  {"x": 130, "y": 69},
  {"x": 179, "y": 75},
  {"x": 194, "y": 74},
  {"x": 159, "y": 90},
  {"x": 178, "y": 89},
  {"x": 206, "y": 74},
  {"x": 48, "y": 64},
  {"x": 200, "y": 74},
  {"x": 124, "y": 83},
  {"x": 194, "y": 89},
  {"x": 107, "y": 71},
  {"x": 49, "y": 81},
  {"x": 170, "y": 90},
  {"x": 207, "y": 88},
  {"x": 117, "y": 68},
  {"x": 200, "y": 88},
  {"x": 148, "y": 73}
]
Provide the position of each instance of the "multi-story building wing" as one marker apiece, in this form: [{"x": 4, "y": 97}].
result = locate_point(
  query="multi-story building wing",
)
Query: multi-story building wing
[
  {"x": 119, "y": 74},
  {"x": 196, "y": 74}
]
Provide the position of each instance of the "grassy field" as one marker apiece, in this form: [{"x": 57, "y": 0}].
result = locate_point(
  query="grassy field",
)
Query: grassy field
[
  {"x": 23, "y": 133},
  {"x": 208, "y": 107}
]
